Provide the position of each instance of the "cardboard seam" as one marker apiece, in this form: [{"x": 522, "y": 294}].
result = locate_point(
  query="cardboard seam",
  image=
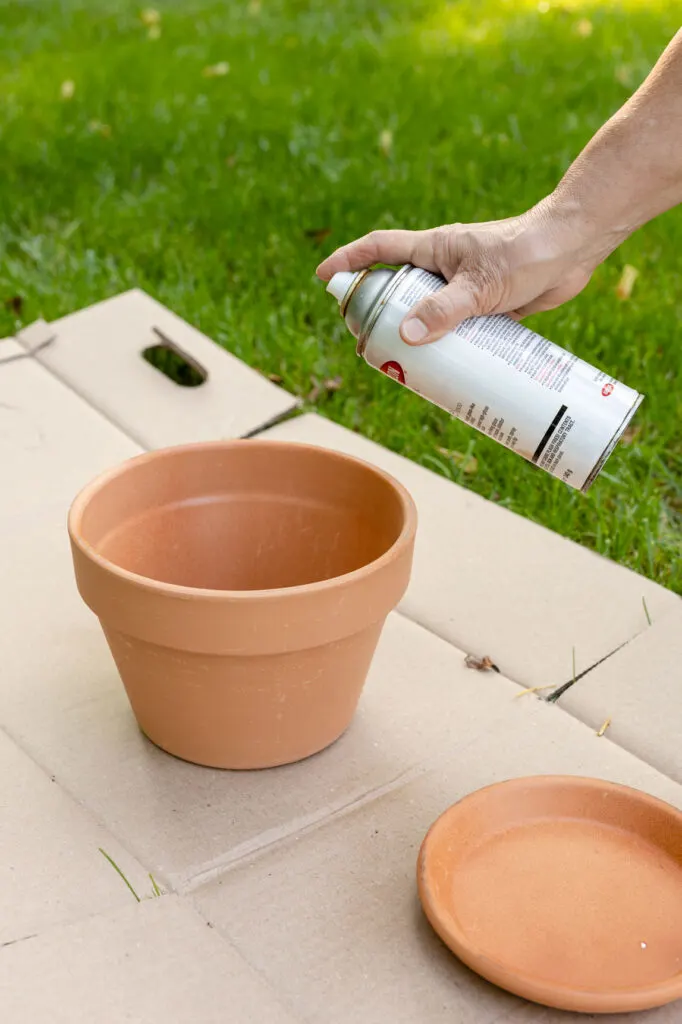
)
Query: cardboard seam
[{"x": 265, "y": 842}]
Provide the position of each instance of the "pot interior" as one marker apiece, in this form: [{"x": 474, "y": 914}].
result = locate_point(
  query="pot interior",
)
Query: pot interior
[{"x": 244, "y": 516}]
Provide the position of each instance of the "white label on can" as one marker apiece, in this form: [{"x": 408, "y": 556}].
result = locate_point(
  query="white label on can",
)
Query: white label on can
[{"x": 548, "y": 405}]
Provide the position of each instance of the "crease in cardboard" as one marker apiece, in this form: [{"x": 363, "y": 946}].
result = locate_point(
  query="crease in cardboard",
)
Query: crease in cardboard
[
  {"x": 20, "y": 938},
  {"x": 563, "y": 688},
  {"x": 85, "y": 809},
  {"x": 284, "y": 417},
  {"x": 555, "y": 695},
  {"x": 27, "y": 353},
  {"x": 265, "y": 842},
  {"x": 99, "y": 349},
  {"x": 32, "y": 340},
  {"x": 458, "y": 644},
  {"x": 39, "y": 345}
]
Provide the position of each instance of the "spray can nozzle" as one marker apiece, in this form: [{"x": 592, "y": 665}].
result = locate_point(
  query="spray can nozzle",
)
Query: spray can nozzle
[{"x": 340, "y": 283}]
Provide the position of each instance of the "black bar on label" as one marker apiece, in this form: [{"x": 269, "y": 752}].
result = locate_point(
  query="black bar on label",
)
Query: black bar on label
[{"x": 548, "y": 433}]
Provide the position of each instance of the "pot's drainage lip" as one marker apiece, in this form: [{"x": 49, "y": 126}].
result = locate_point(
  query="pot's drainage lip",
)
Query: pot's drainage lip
[{"x": 396, "y": 549}]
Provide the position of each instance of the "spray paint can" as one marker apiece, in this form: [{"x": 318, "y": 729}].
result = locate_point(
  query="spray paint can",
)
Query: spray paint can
[{"x": 493, "y": 373}]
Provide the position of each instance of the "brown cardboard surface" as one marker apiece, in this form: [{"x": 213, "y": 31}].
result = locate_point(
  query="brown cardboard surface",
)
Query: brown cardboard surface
[
  {"x": 187, "y": 822},
  {"x": 307, "y": 869},
  {"x": 11, "y": 350},
  {"x": 98, "y": 353},
  {"x": 61, "y": 697},
  {"x": 155, "y": 963},
  {"x": 493, "y": 583},
  {"x": 540, "y": 1015},
  {"x": 51, "y": 444},
  {"x": 639, "y": 689},
  {"x": 51, "y": 869},
  {"x": 339, "y": 908}
]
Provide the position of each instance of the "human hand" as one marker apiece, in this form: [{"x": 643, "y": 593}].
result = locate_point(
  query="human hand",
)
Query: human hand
[{"x": 521, "y": 265}]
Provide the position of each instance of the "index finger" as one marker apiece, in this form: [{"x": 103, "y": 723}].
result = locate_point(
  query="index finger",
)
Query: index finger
[{"x": 392, "y": 247}]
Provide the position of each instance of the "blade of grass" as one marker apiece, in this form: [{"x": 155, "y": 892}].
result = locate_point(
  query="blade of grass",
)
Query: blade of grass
[
  {"x": 646, "y": 611},
  {"x": 119, "y": 872},
  {"x": 533, "y": 689}
]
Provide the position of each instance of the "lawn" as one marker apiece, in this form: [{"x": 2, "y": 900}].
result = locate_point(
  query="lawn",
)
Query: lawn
[{"x": 212, "y": 152}]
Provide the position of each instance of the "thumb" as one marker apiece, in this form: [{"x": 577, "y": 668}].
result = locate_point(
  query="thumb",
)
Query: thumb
[{"x": 439, "y": 313}]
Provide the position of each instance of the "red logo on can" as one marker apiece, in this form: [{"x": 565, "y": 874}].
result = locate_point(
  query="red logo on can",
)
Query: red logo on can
[
  {"x": 394, "y": 370},
  {"x": 607, "y": 390}
]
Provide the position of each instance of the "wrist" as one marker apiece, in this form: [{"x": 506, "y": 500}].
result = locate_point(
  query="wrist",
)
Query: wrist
[{"x": 582, "y": 229}]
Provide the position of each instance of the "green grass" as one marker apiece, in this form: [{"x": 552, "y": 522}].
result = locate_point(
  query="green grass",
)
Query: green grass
[
  {"x": 219, "y": 195},
  {"x": 120, "y": 873},
  {"x": 156, "y": 891}
]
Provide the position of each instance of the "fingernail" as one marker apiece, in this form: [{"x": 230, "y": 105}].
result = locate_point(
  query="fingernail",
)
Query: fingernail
[{"x": 414, "y": 330}]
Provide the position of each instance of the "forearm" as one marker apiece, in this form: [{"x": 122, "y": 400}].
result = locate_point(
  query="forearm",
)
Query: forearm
[{"x": 631, "y": 171}]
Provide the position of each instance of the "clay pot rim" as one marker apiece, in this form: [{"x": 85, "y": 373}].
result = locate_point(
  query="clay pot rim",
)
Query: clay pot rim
[
  {"x": 399, "y": 547},
  {"x": 520, "y": 982}
]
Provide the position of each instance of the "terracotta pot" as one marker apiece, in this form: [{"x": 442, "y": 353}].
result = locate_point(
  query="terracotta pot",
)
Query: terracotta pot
[{"x": 242, "y": 587}]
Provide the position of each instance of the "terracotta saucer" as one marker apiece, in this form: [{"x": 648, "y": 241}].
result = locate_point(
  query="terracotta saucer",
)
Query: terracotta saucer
[{"x": 565, "y": 891}]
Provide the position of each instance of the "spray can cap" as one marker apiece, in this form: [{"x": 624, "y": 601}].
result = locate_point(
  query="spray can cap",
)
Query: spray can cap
[{"x": 340, "y": 283}]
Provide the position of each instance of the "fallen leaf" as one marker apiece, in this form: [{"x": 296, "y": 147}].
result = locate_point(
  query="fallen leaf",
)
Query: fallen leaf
[
  {"x": 150, "y": 16},
  {"x": 467, "y": 463},
  {"x": 624, "y": 75},
  {"x": 231, "y": 160},
  {"x": 324, "y": 388},
  {"x": 584, "y": 28},
  {"x": 15, "y": 304},
  {"x": 602, "y": 728},
  {"x": 274, "y": 377},
  {"x": 630, "y": 434},
  {"x": 318, "y": 235},
  {"x": 484, "y": 664},
  {"x": 386, "y": 142},
  {"x": 67, "y": 89},
  {"x": 627, "y": 282},
  {"x": 154, "y": 32},
  {"x": 97, "y": 128},
  {"x": 216, "y": 70}
]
